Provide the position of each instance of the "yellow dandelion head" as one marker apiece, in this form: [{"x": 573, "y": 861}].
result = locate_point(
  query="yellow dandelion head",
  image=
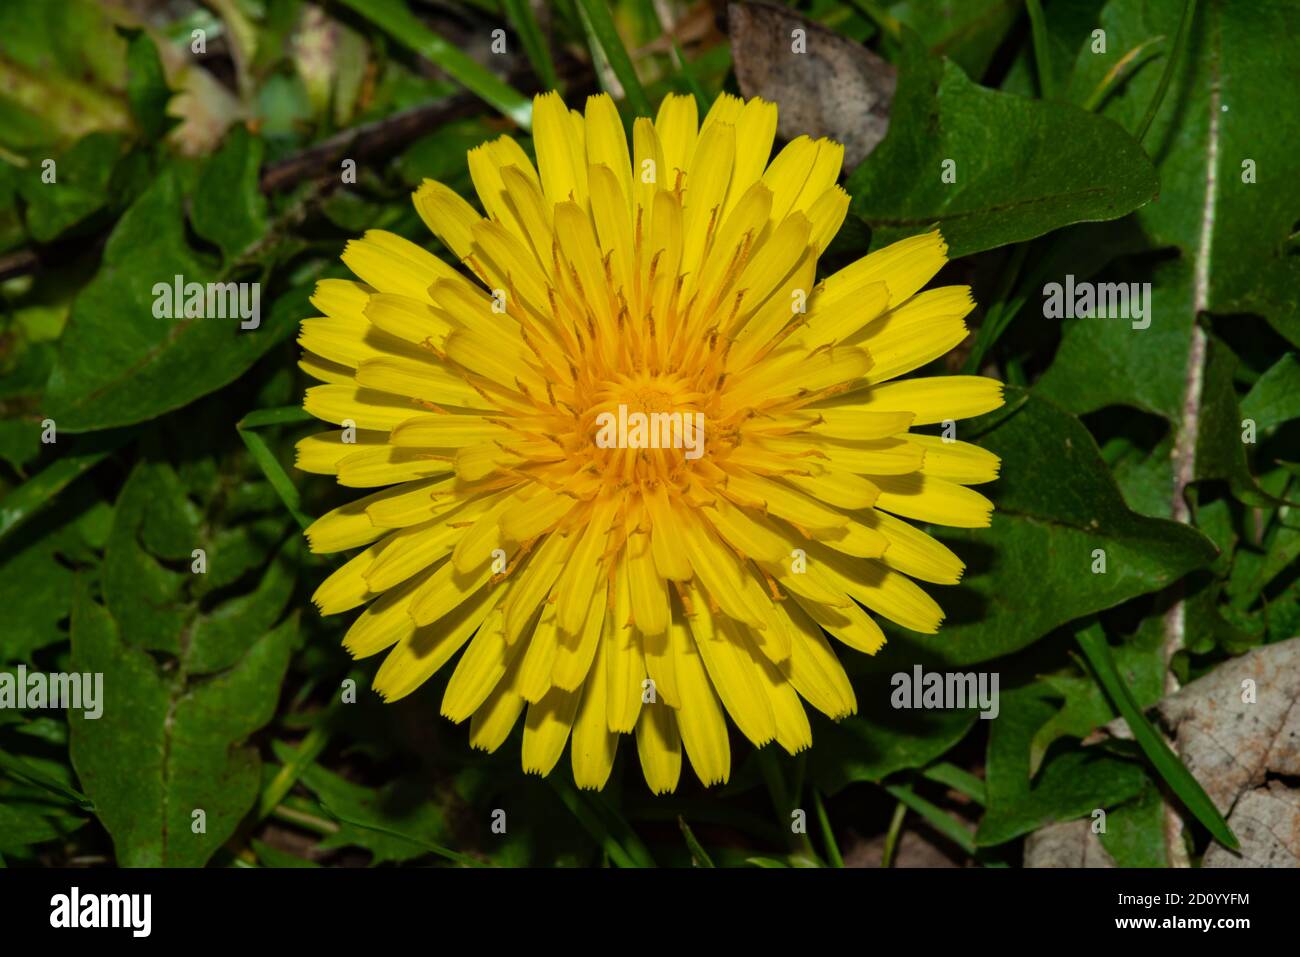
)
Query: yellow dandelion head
[{"x": 635, "y": 462}]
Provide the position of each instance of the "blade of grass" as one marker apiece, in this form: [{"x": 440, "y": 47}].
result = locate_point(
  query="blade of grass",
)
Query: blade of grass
[
  {"x": 1093, "y": 642},
  {"x": 280, "y": 415},
  {"x": 601, "y": 24},
  {"x": 935, "y": 816},
  {"x": 699, "y": 855},
  {"x": 882, "y": 18},
  {"x": 39, "y": 490},
  {"x": 282, "y": 783},
  {"x": 270, "y": 465},
  {"x": 959, "y": 780},
  {"x": 1122, "y": 70},
  {"x": 619, "y": 826},
  {"x": 592, "y": 824},
  {"x": 521, "y": 16},
  {"x": 443, "y": 852},
  {"x": 1038, "y": 28},
  {"x": 828, "y": 836},
  {"x": 1180, "y": 43},
  {"x": 783, "y": 802},
  {"x": 893, "y": 834},
  {"x": 999, "y": 315},
  {"x": 396, "y": 19},
  {"x": 24, "y": 771}
]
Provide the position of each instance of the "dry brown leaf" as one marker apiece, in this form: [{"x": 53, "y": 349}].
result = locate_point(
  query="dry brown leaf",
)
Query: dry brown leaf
[
  {"x": 837, "y": 88},
  {"x": 1230, "y": 742},
  {"x": 1069, "y": 844},
  {"x": 1267, "y": 822}
]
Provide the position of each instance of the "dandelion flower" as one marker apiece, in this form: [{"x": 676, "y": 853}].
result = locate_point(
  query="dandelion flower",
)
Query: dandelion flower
[{"x": 638, "y": 586}]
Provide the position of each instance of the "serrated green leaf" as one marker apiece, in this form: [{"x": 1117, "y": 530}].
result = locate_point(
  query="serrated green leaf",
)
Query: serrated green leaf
[{"x": 168, "y": 746}]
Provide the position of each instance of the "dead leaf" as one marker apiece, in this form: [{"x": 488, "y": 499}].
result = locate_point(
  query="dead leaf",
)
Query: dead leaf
[
  {"x": 1069, "y": 844},
  {"x": 1267, "y": 822},
  {"x": 1240, "y": 721},
  {"x": 835, "y": 88}
]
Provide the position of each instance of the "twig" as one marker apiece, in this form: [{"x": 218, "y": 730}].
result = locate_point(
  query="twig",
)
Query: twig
[{"x": 1184, "y": 454}]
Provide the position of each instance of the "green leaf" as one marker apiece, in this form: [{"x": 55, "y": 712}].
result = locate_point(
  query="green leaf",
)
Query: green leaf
[
  {"x": 1220, "y": 113},
  {"x": 881, "y": 740},
  {"x": 1139, "y": 661},
  {"x": 1275, "y": 398},
  {"x": 152, "y": 591},
  {"x": 146, "y": 85},
  {"x": 228, "y": 208},
  {"x": 1023, "y": 167},
  {"x": 29, "y": 498},
  {"x": 968, "y": 32},
  {"x": 80, "y": 188},
  {"x": 1166, "y": 763},
  {"x": 1070, "y": 785},
  {"x": 394, "y": 823},
  {"x": 36, "y": 580},
  {"x": 26, "y": 819},
  {"x": 167, "y": 746},
  {"x": 1104, "y": 361},
  {"x": 1220, "y": 451},
  {"x": 1032, "y": 570},
  {"x": 1135, "y": 831},
  {"x": 119, "y": 363}
]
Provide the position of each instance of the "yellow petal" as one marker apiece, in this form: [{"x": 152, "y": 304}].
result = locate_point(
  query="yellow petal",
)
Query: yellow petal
[
  {"x": 813, "y": 669},
  {"x": 561, "y": 157},
  {"x": 546, "y": 729},
  {"x": 419, "y": 655},
  {"x": 931, "y": 399},
  {"x": 929, "y": 499},
  {"x": 676, "y": 128},
  {"x": 700, "y": 721},
  {"x": 361, "y": 408},
  {"x": 660, "y": 748},
  {"x": 913, "y": 552},
  {"x": 594, "y": 745},
  {"x": 625, "y": 665},
  {"x": 480, "y": 669},
  {"x": 906, "y": 266},
  {"x": 958, "y": 462},
  {"x": 733, "y": 669},
  {"x": 533, "y": 679},
  {"x": 390, "y": 263},
  {"x": 494, "y": 719},
  {"x": 448, "y": 217}
]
